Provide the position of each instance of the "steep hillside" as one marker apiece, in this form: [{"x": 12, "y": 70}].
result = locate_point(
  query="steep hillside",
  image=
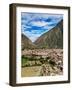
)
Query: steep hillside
[
  {"x": 52, "y": 38},
  {"x": 26, "y": 43}
]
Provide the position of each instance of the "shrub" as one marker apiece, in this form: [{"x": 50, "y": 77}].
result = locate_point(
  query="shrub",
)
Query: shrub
[
  {"x": 24, "y": 60},
  {"x": 51, "y": 62},
  {"x": 48, "y": 58}
]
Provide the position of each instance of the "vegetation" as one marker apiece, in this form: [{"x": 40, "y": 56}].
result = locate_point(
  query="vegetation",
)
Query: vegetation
[
  {"x": 32, "y": 60},
  {"x": 24, "y": 60},
  {"x": 52, "y": 63}
]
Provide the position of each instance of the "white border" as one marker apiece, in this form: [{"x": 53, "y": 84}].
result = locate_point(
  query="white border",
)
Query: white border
[{"x": 64, "y": 77}]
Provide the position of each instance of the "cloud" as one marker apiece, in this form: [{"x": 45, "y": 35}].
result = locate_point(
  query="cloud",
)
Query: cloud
[
  {"x": 39, "y": 23},
  {"x": 34, "y": 25}
]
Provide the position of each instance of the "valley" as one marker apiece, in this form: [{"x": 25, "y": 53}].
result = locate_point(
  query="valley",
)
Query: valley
[
  {"x": 44, "y": 56},
  {"x": 42, "y": 62}
]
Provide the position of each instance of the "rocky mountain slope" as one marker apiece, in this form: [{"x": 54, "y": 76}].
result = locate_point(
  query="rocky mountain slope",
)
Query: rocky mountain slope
[
  {"x": 26, "y": 43},
  {"x": 52, "y": 38}
]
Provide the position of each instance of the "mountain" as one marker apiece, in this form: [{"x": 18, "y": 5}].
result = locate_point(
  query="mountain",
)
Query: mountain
[
  {"x": 51, "y": 39},
  {"x": 26, "y": 43}
]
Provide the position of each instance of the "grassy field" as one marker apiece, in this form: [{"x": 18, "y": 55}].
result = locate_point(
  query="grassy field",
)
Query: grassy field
[{"x": 30, "y": 71}]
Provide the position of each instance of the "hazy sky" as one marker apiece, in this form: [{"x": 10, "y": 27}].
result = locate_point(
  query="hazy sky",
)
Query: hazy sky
[{"x": 34, "y": 25}]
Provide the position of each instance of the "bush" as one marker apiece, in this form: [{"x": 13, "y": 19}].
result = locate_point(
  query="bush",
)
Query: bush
[
  {"x": 48, "y": 58},
  {"x": 51, "y": 62},
  {"x": 24, "y": 60}
]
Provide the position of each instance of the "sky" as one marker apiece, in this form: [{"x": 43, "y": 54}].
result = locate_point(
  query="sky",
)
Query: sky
[{"x": 33, "y": 25}]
